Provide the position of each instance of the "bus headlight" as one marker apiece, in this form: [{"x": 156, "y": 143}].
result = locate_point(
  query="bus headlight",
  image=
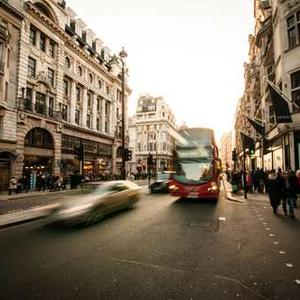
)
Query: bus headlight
[
  {"x": 213, "y": 187},
  {"x": 173, "y": 187}
]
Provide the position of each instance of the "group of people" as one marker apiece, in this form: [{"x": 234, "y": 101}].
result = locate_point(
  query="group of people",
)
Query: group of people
[{"x": 283, "y": 188}]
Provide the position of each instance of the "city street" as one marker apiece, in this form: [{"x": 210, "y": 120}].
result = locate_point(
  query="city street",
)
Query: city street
[{"x": 164, "y": 248}]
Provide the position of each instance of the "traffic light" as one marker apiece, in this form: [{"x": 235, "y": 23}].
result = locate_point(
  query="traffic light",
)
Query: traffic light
[
  {"x": 234, "y": 155},
  {"x": 79, "y": 151},
  {"x": 252, "y": 150},
  {"x": 150, "y": 160},
  {"x": 127, "y": 154}
]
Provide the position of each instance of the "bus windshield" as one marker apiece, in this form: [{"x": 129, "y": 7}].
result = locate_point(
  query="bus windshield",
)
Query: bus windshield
[{"x": 194, "y": 171}]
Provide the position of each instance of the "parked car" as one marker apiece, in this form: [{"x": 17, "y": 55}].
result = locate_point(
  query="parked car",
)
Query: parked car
[
  {"x": 160, "y": 185},
  {"x": 95, "y": 201}
]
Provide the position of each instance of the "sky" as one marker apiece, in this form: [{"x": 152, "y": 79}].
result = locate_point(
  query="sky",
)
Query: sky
[{"x": 190, "y": 52}]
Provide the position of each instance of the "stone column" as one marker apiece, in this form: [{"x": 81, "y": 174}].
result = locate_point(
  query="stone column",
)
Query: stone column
[
  {"x": 94, "y": 112},
  {"x": 73, "y": 102},
  {"x": 84, "y": 107}
]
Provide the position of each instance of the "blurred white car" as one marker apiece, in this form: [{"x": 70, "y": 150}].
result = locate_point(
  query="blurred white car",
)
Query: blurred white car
[{"x": 95, "y": 201}]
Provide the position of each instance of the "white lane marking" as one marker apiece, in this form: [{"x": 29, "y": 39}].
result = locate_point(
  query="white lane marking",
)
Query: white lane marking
[
  {"x": 275, "y": 243},
  {"x": 264, "y": 223},
  {"x": 271, "y": 234},
  {"x": 297, "y": 281},
  {"x": 289, "y": 265},
  {"x": 281, "y": 252},
  {"x": 268, "y": 228},
  {"x": 262, "y": 219},
  {"x": 222, "y": 219}
]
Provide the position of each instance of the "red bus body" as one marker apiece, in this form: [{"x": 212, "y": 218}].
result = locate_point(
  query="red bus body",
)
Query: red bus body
[{"x": 197, "y": 165}]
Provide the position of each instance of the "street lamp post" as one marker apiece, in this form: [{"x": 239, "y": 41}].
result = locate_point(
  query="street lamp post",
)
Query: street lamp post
[{"x": 123, "y": 55}]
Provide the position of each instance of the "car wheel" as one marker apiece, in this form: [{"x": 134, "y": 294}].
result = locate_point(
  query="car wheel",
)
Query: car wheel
[{"x": 93, "y": 217}]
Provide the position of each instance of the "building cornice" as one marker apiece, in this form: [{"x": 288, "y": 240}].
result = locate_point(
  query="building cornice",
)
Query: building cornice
[
  {"x": 12, "y": 10},
  {"x": 86, "y": 130}
]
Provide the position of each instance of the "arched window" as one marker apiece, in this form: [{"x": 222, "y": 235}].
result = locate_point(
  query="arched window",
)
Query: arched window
[
  {"x": 90, "y": 78},
  {"x": 67, "y": 62},
  {"x": 79, "y": 69},
  {"x": 44, "y": 9},
  {"x": 100, "y": 84},
  {"x": 39, "y": 137}
]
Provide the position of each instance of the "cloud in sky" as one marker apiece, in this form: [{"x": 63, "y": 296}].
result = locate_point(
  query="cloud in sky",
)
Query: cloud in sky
[{"x": 191, "y": 52}]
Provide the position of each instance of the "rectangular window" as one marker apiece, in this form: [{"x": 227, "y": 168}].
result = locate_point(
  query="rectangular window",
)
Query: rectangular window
[
  {"x": 6, "y": 92},
  {"x": 28, "y": 99},
  {"x": 40, "y": 103},
  {"x": 106, "y": 127},
  {"x": 52, "y": 48},
  {"x": 88, "y": 121},
  {"x": 98, "y": 104},
  {"x": 66, "y": 88},
  {"x": 51, "y": 106},
  {"x": 64, "y": 112},
  {"x": 77, "y": 117},
  {"x": 89, "y": 98},
  {"x": 293, "y": 30},
  {"x": 295, "y": 85},
  {"x": 51, "y": 76},
  {"x": 31, "y": 67},
  {"x": 98, "y": 124},
  {"x": 32, "y": 35},
  {"x": 78, "y": 94},
  {"x": 43, "y": 42}
]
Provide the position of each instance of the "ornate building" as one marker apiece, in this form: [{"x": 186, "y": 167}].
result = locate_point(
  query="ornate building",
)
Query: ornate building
[
  {"x": 10, "y": 32},
  {"x": 151, "y": 133},
  {"x": 68, "y": 94},
  {"x": 274, "y": 54}
]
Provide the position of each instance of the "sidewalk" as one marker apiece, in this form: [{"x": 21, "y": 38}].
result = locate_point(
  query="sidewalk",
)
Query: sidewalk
[{"x": 239, "y": 196}]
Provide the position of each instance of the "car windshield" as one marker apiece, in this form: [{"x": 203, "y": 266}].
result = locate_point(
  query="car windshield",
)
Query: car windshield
[
  {"x": 96, "y": 189},
  {"x": 163, "y": 176},
  {"x": 194, "y": 171}
]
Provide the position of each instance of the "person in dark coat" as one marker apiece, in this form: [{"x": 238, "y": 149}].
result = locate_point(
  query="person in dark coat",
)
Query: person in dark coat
[
  {"x": 276, "y": 188},
  {"x": 292, "y": 193}
]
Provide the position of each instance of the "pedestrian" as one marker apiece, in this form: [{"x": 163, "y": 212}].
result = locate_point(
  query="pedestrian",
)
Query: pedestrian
[
  {"x": 275, "y": 187},
  {"x": 13, "y": 185},
  {"x": 292, "y": 193}
]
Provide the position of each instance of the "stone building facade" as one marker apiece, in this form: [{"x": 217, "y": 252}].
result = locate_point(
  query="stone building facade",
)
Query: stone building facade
[
  {"x": 68, "y": 94},
  {"x": 151, "y": 133},
  {"x": 274, "y": 53},
  {"x": 10, "y": 32}
]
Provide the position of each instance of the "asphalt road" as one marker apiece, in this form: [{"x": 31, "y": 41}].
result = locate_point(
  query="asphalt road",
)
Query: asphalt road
[{"x": 164, "y": 248}]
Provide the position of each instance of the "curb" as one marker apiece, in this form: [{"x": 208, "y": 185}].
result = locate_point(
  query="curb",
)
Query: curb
[
  {"x": 229, "y": 195},
  {"x": 11, "y": 219}
]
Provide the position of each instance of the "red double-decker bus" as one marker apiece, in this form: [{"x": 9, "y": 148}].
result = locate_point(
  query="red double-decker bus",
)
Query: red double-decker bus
[{"x": 197, "y": 165}]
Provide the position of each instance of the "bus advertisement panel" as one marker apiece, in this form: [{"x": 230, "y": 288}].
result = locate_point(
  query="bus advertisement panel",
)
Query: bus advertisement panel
[{"x": 197, "y": 165}]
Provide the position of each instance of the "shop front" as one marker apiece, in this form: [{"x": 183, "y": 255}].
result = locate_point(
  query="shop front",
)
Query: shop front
[
  {"x": 38, "y": 157},
  {"x": 6, "y": 159}
]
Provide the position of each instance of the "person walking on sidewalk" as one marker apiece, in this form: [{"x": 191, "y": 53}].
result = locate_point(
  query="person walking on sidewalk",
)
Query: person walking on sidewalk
[
  {"x": 275, "y": 188},
  {"x": 13, "y": 185}
]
